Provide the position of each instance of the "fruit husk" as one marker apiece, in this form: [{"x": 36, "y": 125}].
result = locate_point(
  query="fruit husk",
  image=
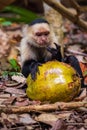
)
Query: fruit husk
[{"x": 57, "y": 81}]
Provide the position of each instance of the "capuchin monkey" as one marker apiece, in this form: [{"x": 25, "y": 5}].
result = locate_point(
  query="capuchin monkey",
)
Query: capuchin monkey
[{"x": 38, "y": 46}]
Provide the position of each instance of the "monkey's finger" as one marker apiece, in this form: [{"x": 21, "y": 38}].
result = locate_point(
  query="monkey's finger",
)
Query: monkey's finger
[
  {"x": 38, "y": 71},
  {"x": 51, "y": 50},
  {"x": 39, "y": 64},
  {"x": 57, "y": 46},
  {"x": 33, "y": 76}
]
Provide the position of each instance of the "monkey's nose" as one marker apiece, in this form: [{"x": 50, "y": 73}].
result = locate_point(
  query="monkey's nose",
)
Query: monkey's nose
[{"x": 44, "y": 38}]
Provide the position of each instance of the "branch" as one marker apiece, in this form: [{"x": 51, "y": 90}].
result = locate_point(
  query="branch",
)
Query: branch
[
  {"x": 45, "y": 107},
  {"x": 78, "y": 7},
  {"x": 75, "y": 6},
  {"x": 66, "y": 13}
]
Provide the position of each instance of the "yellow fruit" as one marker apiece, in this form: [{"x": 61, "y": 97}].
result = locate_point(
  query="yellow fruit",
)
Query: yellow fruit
[{"x": 57, "y": 81}]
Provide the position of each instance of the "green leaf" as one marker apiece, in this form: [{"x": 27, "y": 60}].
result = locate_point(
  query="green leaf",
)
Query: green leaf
[
  {"x": 14, "y": 64},
  {"x": 85, "y": 73},
  {"x": 6, "y": 23},
  {"x": 17, "y": 19},
  {"x": 23, "y": 15},
  {"x": 9, "y": 73},
  {"x": 13, "y": 73},
  {"x": 20, "y": 11},
  {"x": 5, "y": 73},
  {"x": 2, "y": 20}
]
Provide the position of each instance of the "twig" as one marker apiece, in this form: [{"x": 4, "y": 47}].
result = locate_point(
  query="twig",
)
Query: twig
[
  {"x": 76, "y": 6},
  {"x": 45, "y": 107},
  {"x": 76, "y": 124},
  {"x": 66, "y": 13},
  {"x": 77, "y": 53}
]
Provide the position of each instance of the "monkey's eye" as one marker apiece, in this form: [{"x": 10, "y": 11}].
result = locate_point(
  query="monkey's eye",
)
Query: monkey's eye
[
  {"x": 38, "y": 34},
  {"x": 42, "y": 33},
  {"x": 46, "y": 33}
]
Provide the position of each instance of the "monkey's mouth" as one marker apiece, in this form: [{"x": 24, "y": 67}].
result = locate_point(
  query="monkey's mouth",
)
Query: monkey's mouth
[{"x": 43, "y": 44}]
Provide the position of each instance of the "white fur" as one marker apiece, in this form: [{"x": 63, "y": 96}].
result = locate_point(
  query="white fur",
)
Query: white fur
[{"x": 27, "y": 49}]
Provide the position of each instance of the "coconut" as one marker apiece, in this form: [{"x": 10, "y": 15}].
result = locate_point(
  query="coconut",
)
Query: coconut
[{"x": 56, "y": 81}]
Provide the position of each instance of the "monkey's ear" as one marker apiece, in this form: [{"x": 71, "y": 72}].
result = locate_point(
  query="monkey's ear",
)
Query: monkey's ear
[{"x": 25, "y": 30}]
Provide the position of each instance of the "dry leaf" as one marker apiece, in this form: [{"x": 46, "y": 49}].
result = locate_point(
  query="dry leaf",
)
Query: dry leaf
[
  {"x": 15, "y": 91},
  {"x": 24, "y": 102},
  {"x": 59, "y": 125},
  {"x": 51, "y": 118},
  {"x": 4, "y": 45},
  {"x": 26, "y": 119},
  {"x": 82, "y": 95},
  {"x": 9, "y": 101},
  {"x": 19, "y": 78},
  {"x": 47, "y": 118}
]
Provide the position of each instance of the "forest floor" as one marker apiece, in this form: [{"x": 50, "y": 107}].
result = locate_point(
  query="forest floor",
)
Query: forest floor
[{"x": 17, "y": 111}]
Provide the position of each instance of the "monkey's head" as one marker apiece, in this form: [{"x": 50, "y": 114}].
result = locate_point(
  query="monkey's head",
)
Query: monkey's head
[{"x": 39, "y": 33}]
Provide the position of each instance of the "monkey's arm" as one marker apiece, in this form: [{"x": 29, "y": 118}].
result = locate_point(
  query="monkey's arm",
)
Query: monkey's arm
[
  {"x": 30, "y": 67},
  {"x": 56, "y": 54},
  {"x": 71, "y": 60}
]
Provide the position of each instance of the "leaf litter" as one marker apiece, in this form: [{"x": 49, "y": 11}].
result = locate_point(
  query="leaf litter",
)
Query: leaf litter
[{"x": 13, "y": 90}]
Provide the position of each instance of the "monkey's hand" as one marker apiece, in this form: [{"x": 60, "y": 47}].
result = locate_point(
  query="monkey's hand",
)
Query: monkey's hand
[
  {"x": 30, "y": 67},
  {"x": 73, "y": 61},
  {"x": 56, "y": 53},
  {"x": 34, "y": 69}
]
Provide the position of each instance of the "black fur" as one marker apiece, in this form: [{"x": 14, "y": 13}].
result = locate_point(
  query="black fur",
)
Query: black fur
[
  {"x": 39, "y": 20},
  {"x": 56, "y": 53},
  {"x": 71, "y": 60},
  {"x": 30, "y": 67}
]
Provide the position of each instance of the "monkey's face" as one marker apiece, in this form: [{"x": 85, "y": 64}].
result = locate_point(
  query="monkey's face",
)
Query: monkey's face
[{"x": 41, "y": 35}]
